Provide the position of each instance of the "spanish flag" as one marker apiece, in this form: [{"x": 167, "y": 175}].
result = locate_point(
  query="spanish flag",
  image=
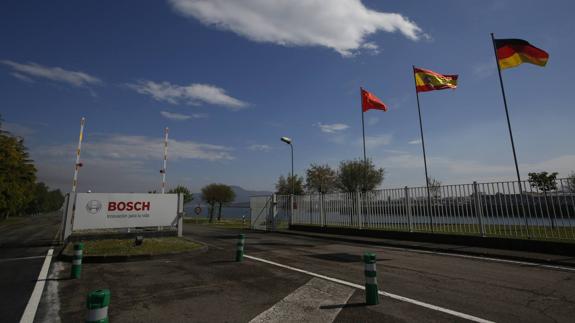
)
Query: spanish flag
[
  {"x": 426, "y": 80},
  {"x": 513, "y": 52}
]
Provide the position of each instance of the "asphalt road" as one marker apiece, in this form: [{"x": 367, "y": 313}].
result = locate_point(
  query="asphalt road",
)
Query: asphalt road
[
  {"x": 495, "y": 291},
  {"x": 210, "y": 286},
  {"x": 23, "y": 245}
]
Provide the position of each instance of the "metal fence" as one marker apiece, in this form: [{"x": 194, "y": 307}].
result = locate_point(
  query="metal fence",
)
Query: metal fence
[{"x": 498, "y": 209}]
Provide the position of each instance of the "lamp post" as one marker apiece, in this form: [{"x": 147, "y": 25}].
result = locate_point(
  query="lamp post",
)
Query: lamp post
[{"x": 289, "y": 142}]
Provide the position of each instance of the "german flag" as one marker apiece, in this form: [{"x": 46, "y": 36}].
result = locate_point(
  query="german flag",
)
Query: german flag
[
  {"x": 426, "y": 80},
  {"x": 513, "y": 52}
]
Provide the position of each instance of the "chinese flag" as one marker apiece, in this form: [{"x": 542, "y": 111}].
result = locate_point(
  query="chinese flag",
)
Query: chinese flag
[{"x": 370, "y": 101}]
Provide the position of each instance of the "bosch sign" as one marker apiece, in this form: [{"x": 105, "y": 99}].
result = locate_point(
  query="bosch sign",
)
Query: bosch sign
[
  {"x": 124, "y": 210},
  {"x": 128, "y": 206}
]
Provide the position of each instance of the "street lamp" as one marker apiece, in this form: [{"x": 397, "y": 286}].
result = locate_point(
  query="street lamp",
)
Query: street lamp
[{"x": 289, "y": 142}]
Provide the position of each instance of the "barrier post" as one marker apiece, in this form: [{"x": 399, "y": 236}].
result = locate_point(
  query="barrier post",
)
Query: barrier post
[
  {"x": 371, "y": 291},
  {"x": 97, "y": 305},
  {"x": 180, "y": 214},
  {"x": 478, "y": 209},
  {"x": 291, "y": 204},
  {"x": 408, "y": 209},
  {"x": 359, "y": 210},
  {"x": 77, "y": 260},
  {"x": 240, "y": 248}
]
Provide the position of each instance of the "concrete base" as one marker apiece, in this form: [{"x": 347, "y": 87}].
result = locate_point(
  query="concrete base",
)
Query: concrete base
[
  {"x": 549, "y": 247},
  {"x": 121, "y": 235}
]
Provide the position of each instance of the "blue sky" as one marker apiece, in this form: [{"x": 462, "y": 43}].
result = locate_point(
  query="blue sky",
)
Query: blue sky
[{"x": 230, "y": 77}]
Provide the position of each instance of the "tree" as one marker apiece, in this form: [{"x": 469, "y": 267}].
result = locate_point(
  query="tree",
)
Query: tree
[
  {"x": 17, "y": 175},
  {"x": 571, "y": 182},
  {"x": 356, "y": 175},
  {"x": 217, "y": 194},
  {"x": 210, "y": 196},
  {"x": 284, "y": 186},
  {"x": 54, "y": 201},
  {"x": 321, "y": 179},
  {"x": 225, "y": 195},
  {"x": 44, "y": 200},
  {"x": 543, "y": 181},
  {"x": 188, "y": 197},
  {"x": 434, "y": 187}
]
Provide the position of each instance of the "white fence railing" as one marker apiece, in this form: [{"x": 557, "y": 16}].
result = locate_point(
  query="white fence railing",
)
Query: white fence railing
[{"x": 498, "y": 209}]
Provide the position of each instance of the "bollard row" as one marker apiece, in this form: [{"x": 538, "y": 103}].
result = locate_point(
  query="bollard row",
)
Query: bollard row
[
  {"x": 97, "y": 305},
  {"x": 97, "y": 301},
  {"x": 371, "y": 290},
  {"x": 77, "y": 260},
  {"x": 240, "y": 247}
]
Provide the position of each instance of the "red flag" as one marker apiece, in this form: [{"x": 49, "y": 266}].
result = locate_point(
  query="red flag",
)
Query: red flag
[{"x": 370, "y": 101}]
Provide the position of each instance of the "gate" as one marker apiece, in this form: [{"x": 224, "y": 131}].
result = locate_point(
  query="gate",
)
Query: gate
[{"x": 263, "y": 211}]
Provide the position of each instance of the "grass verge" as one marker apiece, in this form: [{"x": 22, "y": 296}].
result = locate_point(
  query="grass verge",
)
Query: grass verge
[
  {"x": 225, "y": 223},
  {"x": 12, "y": 220},
  {"x": 126, "y": 247}
]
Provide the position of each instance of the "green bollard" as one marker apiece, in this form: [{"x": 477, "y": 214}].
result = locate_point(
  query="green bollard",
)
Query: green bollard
[
  {"x": 77, "y": 260},
  {"x": 371, "y": 292},
  {"x": 240, "y": 249},
  {"x": 97, "y": 305}
]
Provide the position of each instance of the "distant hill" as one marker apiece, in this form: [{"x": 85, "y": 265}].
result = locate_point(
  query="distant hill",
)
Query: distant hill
[{"x": 242, "y": 195}]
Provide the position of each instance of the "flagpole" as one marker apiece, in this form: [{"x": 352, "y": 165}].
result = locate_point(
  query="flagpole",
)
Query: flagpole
[
  {"x": 423, "y": 147},
  {"x": 364, "y": 153},
  {"x": 510, "y": 131},
  {"x": 506, "y": 111},
  {"x": 165, "y": 160},
  {"x": 78, "y": 165}
]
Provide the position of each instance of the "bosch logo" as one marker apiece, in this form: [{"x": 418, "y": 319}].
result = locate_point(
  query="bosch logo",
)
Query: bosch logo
[
  {"x": 128, "y": 206},
  {"x": 93, "y": 206}
]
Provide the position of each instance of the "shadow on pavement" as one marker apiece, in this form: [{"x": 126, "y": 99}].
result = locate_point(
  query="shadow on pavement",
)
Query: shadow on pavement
[
  {"x": 342, "y": 257},
  {"x": 54, "y": 279},
  {"x": 281, "y": 244},
  {"x": 329, "y": 307}
]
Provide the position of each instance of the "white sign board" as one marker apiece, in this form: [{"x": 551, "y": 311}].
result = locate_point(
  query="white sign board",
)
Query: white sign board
[{"x": 124, "y": 210}]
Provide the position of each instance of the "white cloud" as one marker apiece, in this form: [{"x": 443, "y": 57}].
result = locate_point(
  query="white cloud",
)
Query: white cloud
[
  {"x": 371, "y": 121},
  {"x": 371, "y": 48},
  {"x": 332, "y": 128},
  {"x": 466, "y": 171},
  {"x": 120, "y": 163},
  {"x": 467, "y": 167},
  {"x": 563, "y": 164},
  {"x": 377, "y": 141},
  {"x": 22, "y": 77},
  {"x": 32, "y": 70},
  {"x": 18, "y": 129},
  {"x": 342, "y": 25},
  {"x": 256, "y": 147},
  {"x": 395, "y": 151},
  {"x": 181, "y": 117},
  {"x": 414, "y": 142},
  {"x": 140, "y": 148},
  {"x": 99, "y": 175},
  {"x": 485, "y": 69},
  {"x": 193, "y": 94}
]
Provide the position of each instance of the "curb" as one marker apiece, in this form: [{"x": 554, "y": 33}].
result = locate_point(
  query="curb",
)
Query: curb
[
  {"x": 115, "y": 259},
  {"x": 436, "y": 249}
]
